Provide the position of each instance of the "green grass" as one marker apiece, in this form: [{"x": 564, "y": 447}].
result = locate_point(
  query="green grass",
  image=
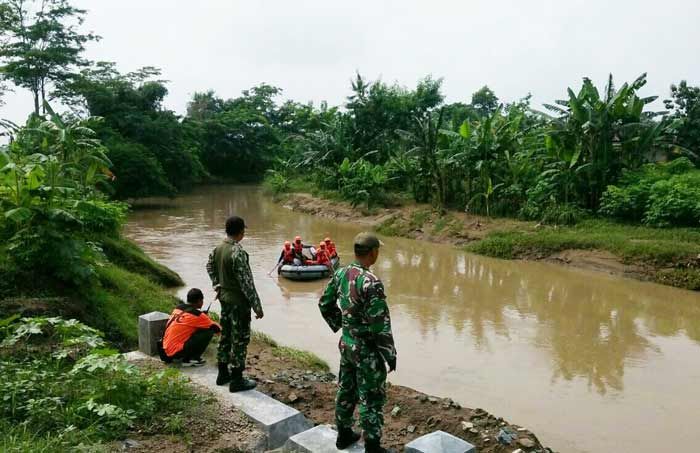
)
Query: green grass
[
  {"x": 304, "y": 359},
  {"x": 660, "y": 248},
  {"x": 128, "y": 255},
  {"x": 114, "y": 305}
]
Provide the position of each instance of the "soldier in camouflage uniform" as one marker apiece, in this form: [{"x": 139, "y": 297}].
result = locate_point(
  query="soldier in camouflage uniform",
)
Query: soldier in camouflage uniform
[
  {"x": 230, "y": 273},
  {"x": 354, "y": 300}
]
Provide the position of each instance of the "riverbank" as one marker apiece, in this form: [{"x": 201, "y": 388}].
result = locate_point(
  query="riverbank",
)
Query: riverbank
[{"x": 666, "y": 256}]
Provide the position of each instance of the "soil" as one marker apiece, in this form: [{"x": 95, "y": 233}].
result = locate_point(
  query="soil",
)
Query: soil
[
  {"x": 456, "y": 228},
  {"x": 312, "y": 392}
]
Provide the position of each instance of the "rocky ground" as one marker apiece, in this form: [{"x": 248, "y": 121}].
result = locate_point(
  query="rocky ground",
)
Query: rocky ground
[{"x": 408, "y": 414}]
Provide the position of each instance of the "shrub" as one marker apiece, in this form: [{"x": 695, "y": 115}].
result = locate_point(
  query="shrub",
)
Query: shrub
[
  {"x": 362, "y": 182},
  {"x": 659, "y": 195},
  {"x": 58, "y": 379}
]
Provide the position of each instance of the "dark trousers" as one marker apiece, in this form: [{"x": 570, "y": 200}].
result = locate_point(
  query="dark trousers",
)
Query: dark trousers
[{"x": 196, "y": 345}]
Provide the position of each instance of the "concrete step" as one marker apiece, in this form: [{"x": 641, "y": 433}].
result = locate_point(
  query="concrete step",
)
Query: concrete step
[
  {"x": 278, "y": 421},
  {"x": 439, "y": 442},
  {"x": 320, "y": 439}
]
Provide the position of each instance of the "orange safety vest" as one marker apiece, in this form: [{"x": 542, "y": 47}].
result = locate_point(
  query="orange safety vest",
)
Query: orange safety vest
[
  {"x": 287, "y": 255},
  {"x": 181, "y": 326},
  {"x": 322, "y": 257}
]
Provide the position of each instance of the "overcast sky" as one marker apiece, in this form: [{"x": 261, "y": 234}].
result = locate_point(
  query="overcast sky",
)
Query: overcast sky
[{"x": 311, "y": 49}]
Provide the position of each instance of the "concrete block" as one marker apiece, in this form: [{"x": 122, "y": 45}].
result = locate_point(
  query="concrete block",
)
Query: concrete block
[
  {"x": 320, "y": 439},
  {"x": 278, "y": 421},
  {"x": 439, "y": 442},
  {"x": 151, "y": 327}
]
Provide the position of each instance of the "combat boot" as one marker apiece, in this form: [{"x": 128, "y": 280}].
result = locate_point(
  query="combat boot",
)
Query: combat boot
[
  {"x": 239, "y": 383},
  {"x": 373, "y": 446},
  {"x": 346, "y": 437},
  {"x": 224, "y": 376}
]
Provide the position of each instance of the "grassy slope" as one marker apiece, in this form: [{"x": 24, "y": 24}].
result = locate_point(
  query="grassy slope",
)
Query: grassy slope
[
  {"x": 673, "y": 253},
  {"x": 129, "y": 285}
]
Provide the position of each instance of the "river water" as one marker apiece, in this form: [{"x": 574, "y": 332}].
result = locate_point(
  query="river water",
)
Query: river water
[{"x": 588, "y": 362}]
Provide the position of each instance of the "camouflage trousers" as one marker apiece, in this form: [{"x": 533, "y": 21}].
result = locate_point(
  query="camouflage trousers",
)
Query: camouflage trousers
[
  {"x": 235, "y": 334},
  {"x": 362, "y": 378}
]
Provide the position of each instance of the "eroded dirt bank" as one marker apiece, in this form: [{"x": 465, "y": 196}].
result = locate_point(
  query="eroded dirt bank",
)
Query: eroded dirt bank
[{"x": 462, "y": 229}]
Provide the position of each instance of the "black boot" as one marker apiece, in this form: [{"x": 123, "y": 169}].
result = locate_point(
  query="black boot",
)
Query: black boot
[
  {"x": 239, "y": 383},
  {"x": 373, "y": 446},
  {"x": 224, "y": 377},
  {"x": 346, "y": 437}
]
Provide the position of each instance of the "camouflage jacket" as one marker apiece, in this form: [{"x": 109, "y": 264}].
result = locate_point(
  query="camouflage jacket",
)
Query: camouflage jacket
[
  {"x": 354, "y": 300},
  {"x": 229, "y": 268}
]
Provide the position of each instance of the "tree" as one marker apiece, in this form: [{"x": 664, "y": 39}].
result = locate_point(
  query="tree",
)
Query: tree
[
  {"x": 685, "y": 106},
  {"x": 484, "y": 101},
  {"x": 41, "y": 44},
  {"x": 150, "y": 148}
]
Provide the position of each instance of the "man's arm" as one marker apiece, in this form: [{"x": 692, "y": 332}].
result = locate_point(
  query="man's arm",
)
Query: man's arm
[
  {"x": 379, "y": 321},
  {"x": 241, "y": 269},
  {"x": 211, "y": 270},
  {"x": 329, "y": 307}
]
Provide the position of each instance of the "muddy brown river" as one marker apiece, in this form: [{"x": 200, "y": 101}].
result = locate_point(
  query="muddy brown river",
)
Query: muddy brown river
[{"x": 588, "y": 362}]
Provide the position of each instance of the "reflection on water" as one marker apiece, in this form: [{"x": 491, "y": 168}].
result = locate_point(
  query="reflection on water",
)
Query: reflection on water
[{"x": 573, "y": 355}]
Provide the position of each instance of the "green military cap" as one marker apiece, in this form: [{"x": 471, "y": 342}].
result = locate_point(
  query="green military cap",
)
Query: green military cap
[{"x": 367, "y": 241}]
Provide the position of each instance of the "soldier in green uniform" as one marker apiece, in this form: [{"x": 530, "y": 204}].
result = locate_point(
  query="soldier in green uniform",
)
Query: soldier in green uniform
[
  {"x": 354, "y": 300},
  {"x": 229, "y": 270}
]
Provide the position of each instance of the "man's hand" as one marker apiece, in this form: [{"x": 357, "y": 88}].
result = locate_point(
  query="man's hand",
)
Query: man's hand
[
  {"x": 392, "y": 365},
  {"x": 259, "y": 314}
]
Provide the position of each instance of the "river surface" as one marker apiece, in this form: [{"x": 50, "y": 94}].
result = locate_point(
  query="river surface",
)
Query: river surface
[{"x": 588, "y": 362}]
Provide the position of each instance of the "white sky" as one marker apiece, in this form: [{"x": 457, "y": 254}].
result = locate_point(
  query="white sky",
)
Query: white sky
[{"x": 312, "y": 48}]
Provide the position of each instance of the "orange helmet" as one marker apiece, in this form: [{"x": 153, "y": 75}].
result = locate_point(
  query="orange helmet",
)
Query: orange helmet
[
  {"x": 287, "y": 244},
  {"x": 322, "y": 245}
]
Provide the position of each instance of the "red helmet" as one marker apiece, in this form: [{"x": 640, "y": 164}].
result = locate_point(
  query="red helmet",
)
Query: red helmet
[{"x": 287, "y": 244}]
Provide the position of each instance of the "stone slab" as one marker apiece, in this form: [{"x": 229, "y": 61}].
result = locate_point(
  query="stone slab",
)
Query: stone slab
[
  {"x": 278, "y": 421},
  {"x": 320, "y": 439},
  {"x": 151, "y": 328},
  {"x": 439, "y": 442}
]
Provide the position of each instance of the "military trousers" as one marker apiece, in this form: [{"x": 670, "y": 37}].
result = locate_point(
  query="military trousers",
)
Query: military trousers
[
  {"x": 235, "y": 333},
  {"x": 362, "y": 379}
]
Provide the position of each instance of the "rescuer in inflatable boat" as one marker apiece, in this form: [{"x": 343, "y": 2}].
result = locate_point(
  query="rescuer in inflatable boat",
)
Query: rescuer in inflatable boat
[
  {"x": 322, "y": 256},
  {"x": 299, "y": 258},
  {"x": 330, "y": 248},
  {"x": 287, "y": 255}
]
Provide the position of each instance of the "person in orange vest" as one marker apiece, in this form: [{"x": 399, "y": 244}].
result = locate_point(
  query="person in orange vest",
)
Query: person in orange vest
[
  {"x": 299, "y": 258},
  {"x": 287, "y": 255},
  {"x": 322, "y": 255},
  {"x": 330, "y": 246},
  {"x": 188, "y": 331}
]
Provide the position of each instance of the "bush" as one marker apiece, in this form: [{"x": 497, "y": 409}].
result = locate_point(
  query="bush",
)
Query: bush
[
  {"x": 658, "y": 195},
  {"x": 58, "y": 379},
  {"x": 362, "y": 182}
]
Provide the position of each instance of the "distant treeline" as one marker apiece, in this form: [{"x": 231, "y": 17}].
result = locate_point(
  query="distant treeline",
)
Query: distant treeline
[{"x": 595, "y": 152}]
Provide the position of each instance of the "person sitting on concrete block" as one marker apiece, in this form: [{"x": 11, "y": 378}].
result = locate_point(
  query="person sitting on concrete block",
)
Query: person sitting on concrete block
[{"x": 188, "y": 331}]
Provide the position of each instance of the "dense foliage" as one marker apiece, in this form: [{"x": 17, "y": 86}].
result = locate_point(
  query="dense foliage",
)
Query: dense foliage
[
  {"x": 61, "y": 388},
  {"x": 484, "y": 156}
]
